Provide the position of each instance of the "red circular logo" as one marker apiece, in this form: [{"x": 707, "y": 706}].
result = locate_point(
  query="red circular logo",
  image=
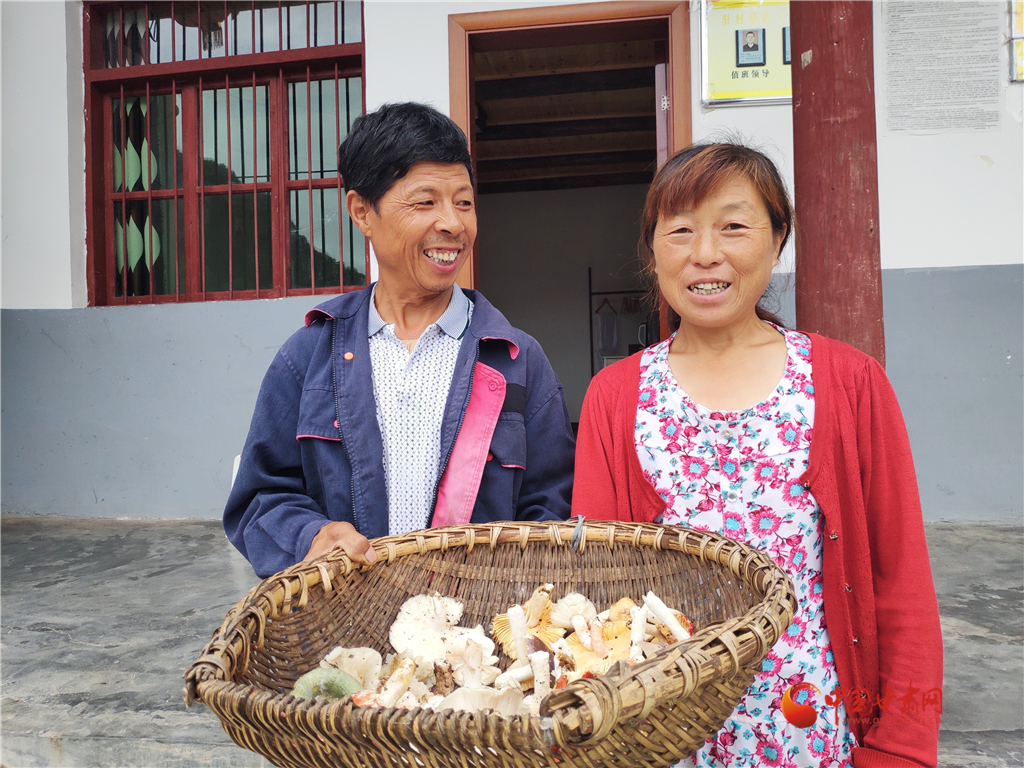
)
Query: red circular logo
[{"x": 800, "y": 715}]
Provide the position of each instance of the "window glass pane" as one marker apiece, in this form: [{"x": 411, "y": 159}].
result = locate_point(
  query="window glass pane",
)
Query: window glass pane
[
  {"x": 237, "y": 235},
  {"x": 250, "y": 145},
  {"x": 148, "y": 245},
  {"x": 151, "y": 33},
  {"x": 294, "y": 26},
  {"x": 165, "y": 131},
  {"x": 313, "y": 133},
  {"x": 352, "y": 22},
  {"x": 322, "y": 242},
  {"x": 324, "y": 28}
]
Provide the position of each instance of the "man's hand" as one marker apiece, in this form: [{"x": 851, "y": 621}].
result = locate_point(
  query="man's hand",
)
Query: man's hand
[{"x": 344, "y": 536}]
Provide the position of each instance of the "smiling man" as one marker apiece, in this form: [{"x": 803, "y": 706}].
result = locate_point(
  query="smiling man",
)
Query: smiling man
[{"x": 410, "y": 404}]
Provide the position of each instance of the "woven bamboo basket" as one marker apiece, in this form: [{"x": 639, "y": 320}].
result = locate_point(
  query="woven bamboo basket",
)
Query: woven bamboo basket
[{"x": 649, "y": 714}]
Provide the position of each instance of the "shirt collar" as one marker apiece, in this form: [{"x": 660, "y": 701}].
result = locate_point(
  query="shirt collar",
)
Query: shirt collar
[{"x": 453, "y": 320}]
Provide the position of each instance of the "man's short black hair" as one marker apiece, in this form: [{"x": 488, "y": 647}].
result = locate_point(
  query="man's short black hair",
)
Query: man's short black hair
[{"x": 383, "y": 145}]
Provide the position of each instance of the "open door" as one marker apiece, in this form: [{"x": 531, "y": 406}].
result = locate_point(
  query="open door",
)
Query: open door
[{"x": 615, "y": 24}]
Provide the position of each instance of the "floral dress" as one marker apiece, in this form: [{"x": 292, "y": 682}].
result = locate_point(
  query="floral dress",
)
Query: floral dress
[{"x": 738, "y": 474}]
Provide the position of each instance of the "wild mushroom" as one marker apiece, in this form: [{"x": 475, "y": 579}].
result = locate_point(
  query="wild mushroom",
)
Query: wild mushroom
[
  {"x": 575, "y": 612},
  {"x": 611, "y": 643},
  {"x": 536, "y": 610},
  {"x": 504, "y": 702},
  {"x": 620, "y": 610},
  {"x": 364, "y": 664},
  {"x": 666, "y": 616},
  {"x": 398, "y": 683},
  {"x": 424, "y": 625},
  {"x": 470, "y": 659},
  {"x": 327, "y": 682},
  {"x": 637, "y": 632}
]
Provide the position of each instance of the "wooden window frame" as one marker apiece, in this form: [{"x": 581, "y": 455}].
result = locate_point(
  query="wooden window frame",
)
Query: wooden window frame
[{"x": 276, "y": 70}]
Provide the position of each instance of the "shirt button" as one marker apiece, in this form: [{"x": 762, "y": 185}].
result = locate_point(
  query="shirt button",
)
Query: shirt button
[
  {"x": 833, "y": 535},
  {"x": 489, "y": 455},
  {"x": 348, "y": 355},
  {"x": 848, "y": 588},
  {"x": 732, "y": 496},
  {"x": 492, "y": 386},
  {"x": 336, "y": 424}
]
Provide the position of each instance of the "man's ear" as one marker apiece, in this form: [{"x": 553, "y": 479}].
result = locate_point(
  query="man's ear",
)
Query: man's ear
[{"x": 359, "y": 210}]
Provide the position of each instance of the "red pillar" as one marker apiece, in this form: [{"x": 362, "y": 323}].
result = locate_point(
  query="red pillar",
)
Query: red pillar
[{"x": 838, "y": 268}]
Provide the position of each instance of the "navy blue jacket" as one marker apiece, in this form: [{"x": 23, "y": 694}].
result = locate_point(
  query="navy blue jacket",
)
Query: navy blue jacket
[{"x": 314, "y": 452}]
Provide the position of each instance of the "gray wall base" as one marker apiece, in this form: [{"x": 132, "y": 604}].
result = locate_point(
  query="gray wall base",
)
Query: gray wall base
[{"x": 138, "y": 412}]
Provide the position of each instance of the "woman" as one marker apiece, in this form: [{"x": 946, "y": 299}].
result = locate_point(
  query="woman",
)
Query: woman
[{"x": 790, "y": 442}]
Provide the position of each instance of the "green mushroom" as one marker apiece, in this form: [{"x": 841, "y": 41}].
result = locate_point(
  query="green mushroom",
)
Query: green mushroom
[{"x": 329, "y": 683}]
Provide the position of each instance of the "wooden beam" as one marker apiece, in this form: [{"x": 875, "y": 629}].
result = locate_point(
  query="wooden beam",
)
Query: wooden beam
[
  {"x": 567, "y": 161},
  {"x": 838, "y": 267},
  {"x": 566, "y": 128},
  {"x": 564, "y": 59},
  {"x": 566, "y": 145},
  {"x": 566, "y": 182},
  {"x": 556, "y": 85}
]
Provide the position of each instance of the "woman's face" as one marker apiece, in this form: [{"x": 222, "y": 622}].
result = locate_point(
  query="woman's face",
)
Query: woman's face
[{"x": 714, "y": 262}]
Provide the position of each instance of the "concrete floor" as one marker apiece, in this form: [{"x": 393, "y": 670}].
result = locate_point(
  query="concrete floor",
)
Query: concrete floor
[{"x": 101, "y": 617}]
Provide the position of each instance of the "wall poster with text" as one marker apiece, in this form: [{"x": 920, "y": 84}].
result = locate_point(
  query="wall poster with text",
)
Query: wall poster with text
[{"x": 745, "y": 52}]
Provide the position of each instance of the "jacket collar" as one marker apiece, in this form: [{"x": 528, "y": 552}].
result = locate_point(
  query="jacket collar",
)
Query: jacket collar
[{"x": 487, "y": 322}]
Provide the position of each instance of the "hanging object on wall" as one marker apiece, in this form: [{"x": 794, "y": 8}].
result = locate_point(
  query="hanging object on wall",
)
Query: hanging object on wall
[
  {"x": 607, "y": 328},
  {"x": 745, "y": 52},
  {"x": 631, "y": 305}
]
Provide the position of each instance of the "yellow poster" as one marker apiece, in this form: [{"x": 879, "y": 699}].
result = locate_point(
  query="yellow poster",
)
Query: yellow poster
[
  {"x": 746, "y": 51},
  {"x": 1017, "y": 40}
]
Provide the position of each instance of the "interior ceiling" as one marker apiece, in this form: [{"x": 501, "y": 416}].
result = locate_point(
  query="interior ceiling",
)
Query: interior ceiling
[{"x": 565, "y": 115}]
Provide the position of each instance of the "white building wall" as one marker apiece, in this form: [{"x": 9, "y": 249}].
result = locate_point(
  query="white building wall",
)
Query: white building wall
[{"x": 39, "y": 243}]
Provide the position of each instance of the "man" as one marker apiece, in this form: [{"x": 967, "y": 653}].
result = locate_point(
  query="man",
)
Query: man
[
  {"x": 750, "y": 42},
  {"x": 409, "y": 404}
]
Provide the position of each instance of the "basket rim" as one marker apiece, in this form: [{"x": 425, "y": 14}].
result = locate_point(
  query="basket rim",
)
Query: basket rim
[{"x": 584, "y": 711}]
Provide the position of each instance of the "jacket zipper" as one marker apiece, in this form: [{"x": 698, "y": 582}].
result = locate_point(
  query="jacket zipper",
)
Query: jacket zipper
[{"x": 462, "y": 417}]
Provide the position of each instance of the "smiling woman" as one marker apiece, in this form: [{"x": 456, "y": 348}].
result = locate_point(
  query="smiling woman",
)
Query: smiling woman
[{"x": 727, "y": 425}]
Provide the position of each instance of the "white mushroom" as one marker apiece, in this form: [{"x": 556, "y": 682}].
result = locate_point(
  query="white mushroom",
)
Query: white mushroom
[
  {"x": 504, "y": 702},
  {"x": 398, "y": 683},
  {"x": 423, "y": 626},
  {"x": 538, "y": 604},
  {"x": 471, "y": 656},
  {"x": 573, "y": 604},
  {"x": 517, "y": 624},
  {"x": 364, "y": 664},
  {"x": 515, "y": 677},
  {"x": 665, "y": 615},
  {"x": 637, "y": 631},
  {"x": 540, "y": 662}
]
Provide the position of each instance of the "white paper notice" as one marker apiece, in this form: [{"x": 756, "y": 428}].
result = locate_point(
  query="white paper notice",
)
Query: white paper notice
[{"x": 942, "y": 65}]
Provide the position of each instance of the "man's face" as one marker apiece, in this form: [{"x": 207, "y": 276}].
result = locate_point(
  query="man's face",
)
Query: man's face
[
  {"x": 750, "y": 38},
  {"x": 423, "y": 229}
]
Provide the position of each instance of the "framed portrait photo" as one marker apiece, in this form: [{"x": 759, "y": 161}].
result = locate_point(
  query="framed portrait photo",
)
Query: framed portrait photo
[
  {"x": 750, "y": 45},
  {"x": 786, "y": 57}
]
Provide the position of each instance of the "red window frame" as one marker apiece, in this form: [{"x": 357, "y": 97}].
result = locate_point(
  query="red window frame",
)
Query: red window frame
[{"x": 188, "y": 79}]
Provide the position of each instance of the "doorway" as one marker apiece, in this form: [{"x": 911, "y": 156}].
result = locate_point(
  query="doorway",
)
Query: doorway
[{"x": 569, "y": 111}]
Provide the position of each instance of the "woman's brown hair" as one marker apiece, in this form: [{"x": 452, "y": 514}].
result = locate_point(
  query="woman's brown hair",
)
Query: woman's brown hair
[{"x": 691, "y": 175}]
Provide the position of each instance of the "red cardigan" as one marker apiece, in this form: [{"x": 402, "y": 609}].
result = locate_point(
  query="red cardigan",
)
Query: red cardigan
[{"x": 879, "y": 597}]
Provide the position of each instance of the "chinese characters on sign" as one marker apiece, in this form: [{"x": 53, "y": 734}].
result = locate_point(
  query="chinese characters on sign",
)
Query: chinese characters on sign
[{"x": 745, "y": 51}]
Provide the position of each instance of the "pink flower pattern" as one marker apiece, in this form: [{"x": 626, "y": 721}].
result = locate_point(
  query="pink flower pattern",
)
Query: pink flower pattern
[{"x": 739, "y": 473}]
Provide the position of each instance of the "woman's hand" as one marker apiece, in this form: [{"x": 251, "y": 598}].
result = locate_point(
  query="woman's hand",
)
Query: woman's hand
[{"x": 343, "y": 536}]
